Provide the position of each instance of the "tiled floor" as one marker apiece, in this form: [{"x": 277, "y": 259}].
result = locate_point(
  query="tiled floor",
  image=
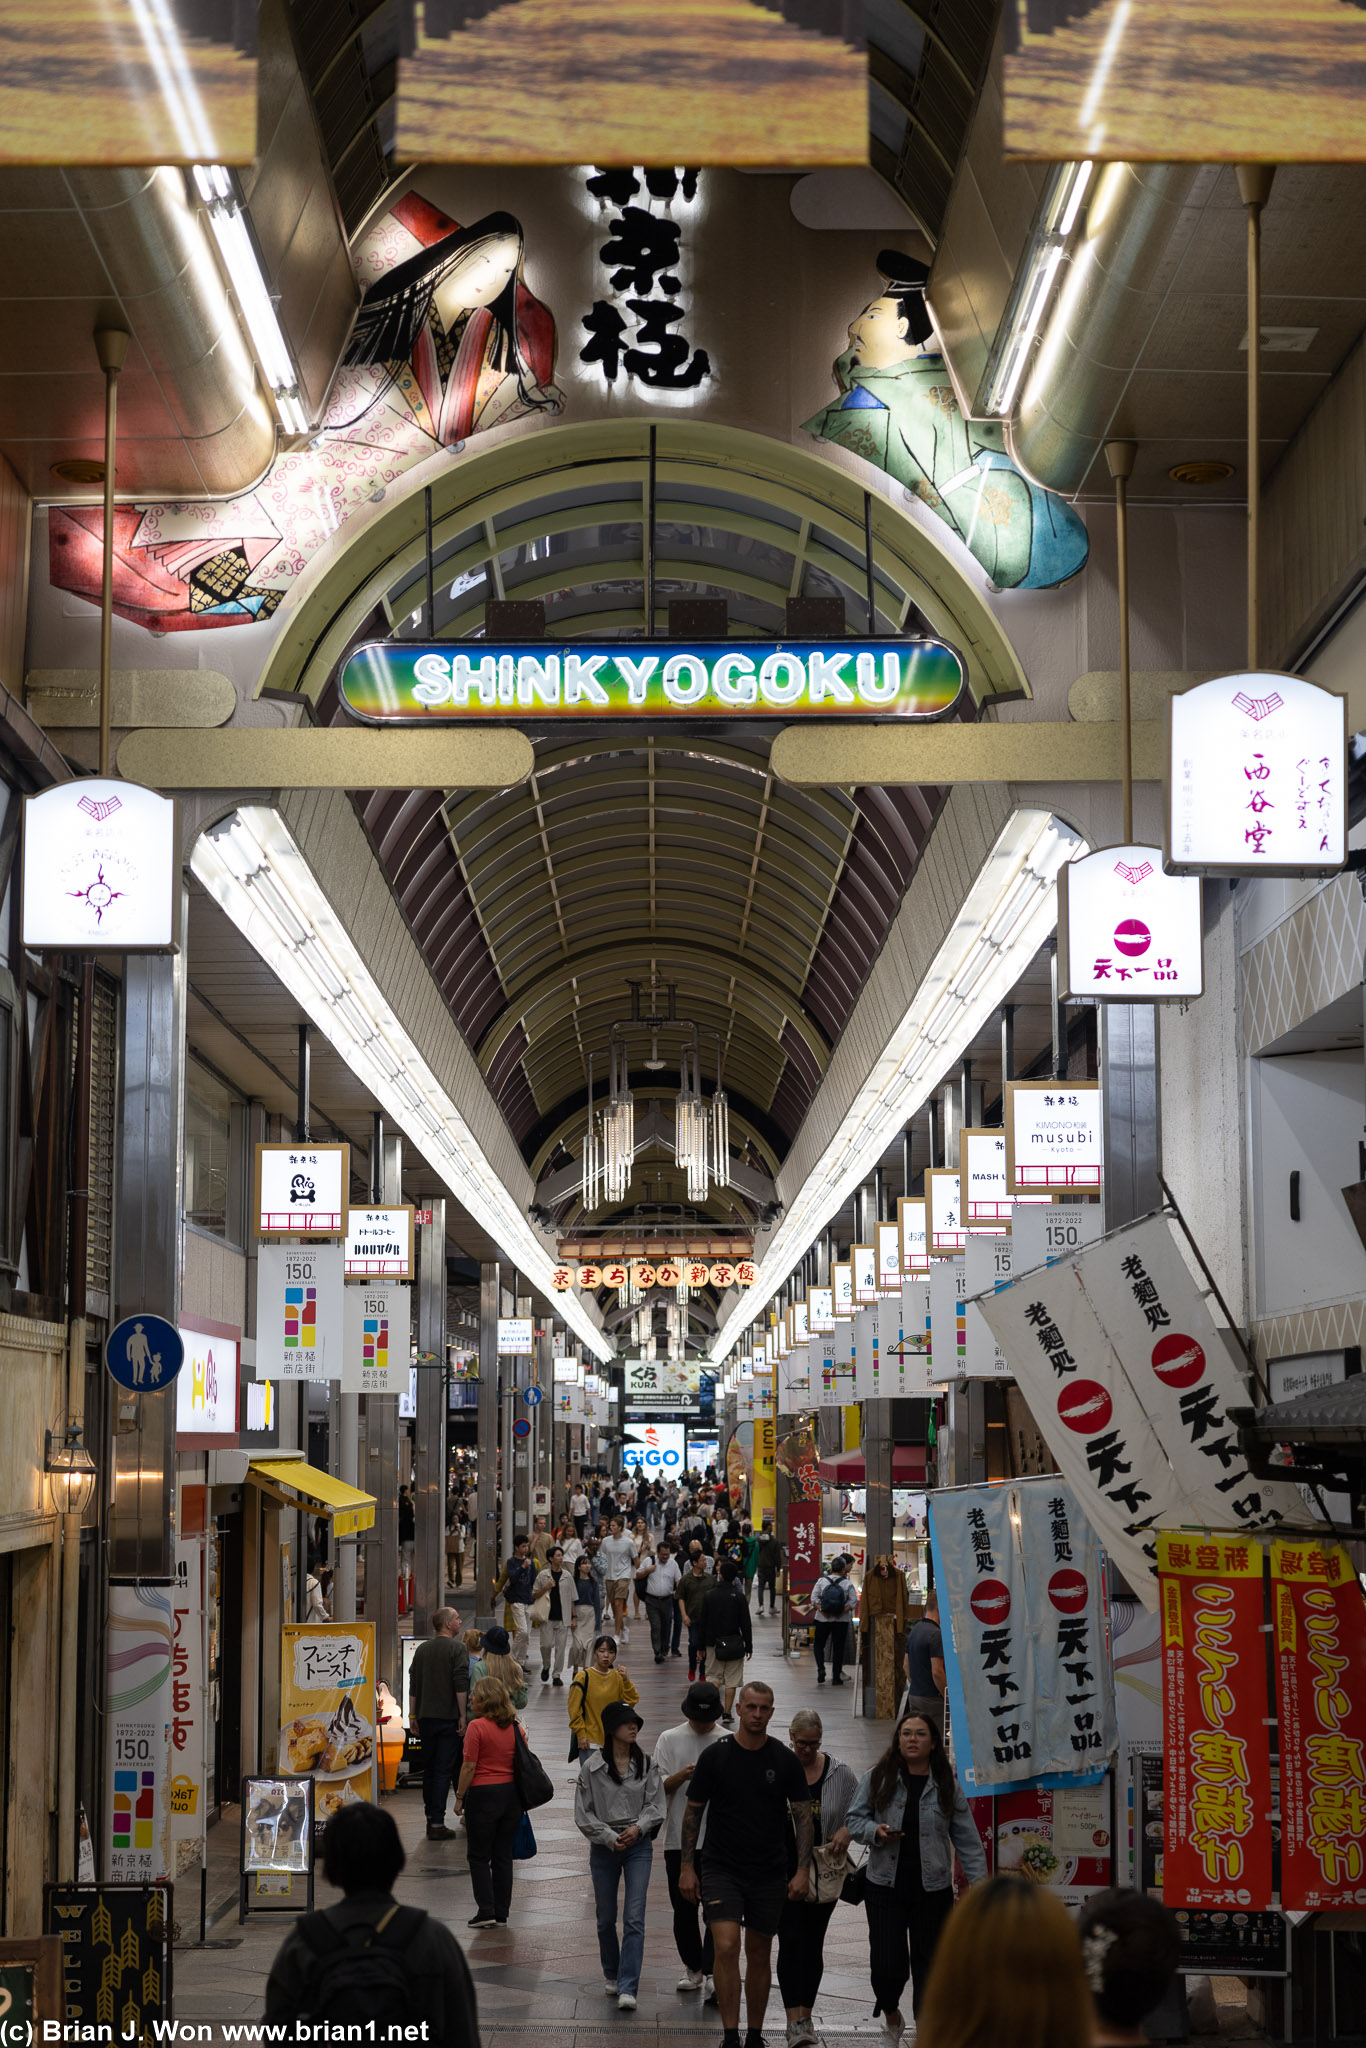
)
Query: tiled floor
[{"x": 539, "y": 1978}]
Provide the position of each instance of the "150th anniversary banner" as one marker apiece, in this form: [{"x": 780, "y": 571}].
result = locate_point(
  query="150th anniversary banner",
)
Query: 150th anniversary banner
[{"x": 417, "y": 683}]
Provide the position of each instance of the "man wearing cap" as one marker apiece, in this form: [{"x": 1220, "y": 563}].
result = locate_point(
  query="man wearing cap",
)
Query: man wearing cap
[
  {"x": 676, "y": 1754},
  {"x": 898, "y": 410}
]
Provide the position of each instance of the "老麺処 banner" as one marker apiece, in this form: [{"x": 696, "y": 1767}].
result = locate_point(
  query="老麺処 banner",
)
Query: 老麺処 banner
[
  {"x": 1217, "y": 1770},
  {"x": 386, "y": 683},
  {"x": 1320, "y": 1640}
]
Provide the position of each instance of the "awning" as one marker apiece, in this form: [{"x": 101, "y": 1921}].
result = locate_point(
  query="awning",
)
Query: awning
[
  {"x": 846, "y": 1468},
  {"x": 295, "y": 1484}
]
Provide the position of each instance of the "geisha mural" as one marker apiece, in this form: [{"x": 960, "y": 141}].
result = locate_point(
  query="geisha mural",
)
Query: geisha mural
[
  {"x": 897, "y": 408},
  {"x": 448, "y": 342}
]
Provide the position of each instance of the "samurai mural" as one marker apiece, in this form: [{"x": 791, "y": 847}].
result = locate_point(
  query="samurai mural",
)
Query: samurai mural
[
  {"x": 897, "y": 408},
  {"x": 449, "y": 341}
]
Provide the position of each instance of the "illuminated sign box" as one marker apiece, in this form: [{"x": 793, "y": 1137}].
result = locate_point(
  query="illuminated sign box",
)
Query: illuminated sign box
[
  {"x": 1053, "y": 1135},
  {"x": 379, "y": 1243},
  {"x": 1128, "y": 932},
  {"x": 1256, "y": 778},
  {"x": 301, "y": 1190},
  {"x": 207, "y": 1389},
  {"x": 101, "y": 869},
  {"x": 943, "y": 1209},
  {"x": 419, "y": 683}
]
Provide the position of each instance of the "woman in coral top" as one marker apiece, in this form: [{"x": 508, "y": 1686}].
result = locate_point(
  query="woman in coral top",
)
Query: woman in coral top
[{"x": 487, "y": 1795}]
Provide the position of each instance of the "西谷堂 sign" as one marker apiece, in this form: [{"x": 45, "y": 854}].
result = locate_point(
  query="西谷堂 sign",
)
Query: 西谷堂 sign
[{"x": 414, "y": 684}]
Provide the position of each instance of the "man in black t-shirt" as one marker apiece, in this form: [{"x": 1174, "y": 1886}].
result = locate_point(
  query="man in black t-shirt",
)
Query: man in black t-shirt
[{"x": 751, "y": 1786}]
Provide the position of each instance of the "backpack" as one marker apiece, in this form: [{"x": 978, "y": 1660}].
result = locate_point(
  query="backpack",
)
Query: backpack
[
  {"x": 832, "y": 1599},
  {"x": 362, "y": 1975}
]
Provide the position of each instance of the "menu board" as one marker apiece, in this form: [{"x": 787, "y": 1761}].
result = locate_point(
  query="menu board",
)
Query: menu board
[
  {"x": 1063, "y": 1839},
  {"x": 1224, "y": 1940}
]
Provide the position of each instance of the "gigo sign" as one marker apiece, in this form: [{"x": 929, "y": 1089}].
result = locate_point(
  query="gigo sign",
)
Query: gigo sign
[
  {"x": 389, "y": 683},
  {"x": 1257, "y": 778},
  {"x": 654, "y": 1447},
  {"x": 1127, "y": 932}
]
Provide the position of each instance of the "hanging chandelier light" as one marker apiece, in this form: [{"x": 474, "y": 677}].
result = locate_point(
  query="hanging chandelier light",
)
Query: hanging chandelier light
[
  {"x": 591, "y": 1186},
  {"x": 692, "y": 1137},
  {"x": 619, "y": 1130}
]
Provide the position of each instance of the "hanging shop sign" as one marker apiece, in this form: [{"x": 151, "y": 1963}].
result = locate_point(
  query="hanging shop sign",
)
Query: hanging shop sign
[
  {"x": 189, "y": 1719},
  {"x": 515, "y": 1336},
  {"x": 948, "y": 1321},
  {"x": 1131, "y": 1384},
  {"x": 842, "y": 1287},
  {"x": 327, "y": 1711},
  {"x": 984, "y": 1198},
  {"x": 101, "y": 869},
  {"x": 1041, "y": 1234},
  {"x": 207, "y": 1389},
  {"x": 910, "y": 1216},
  {"x": 31, "y": 1985},
  {"x": 820, "y": 1311},
  {"x": 695, "y": 1273},
  {"x": 1217, "y": 1756},
  {"x": 301, "y": 1190},
  {"x": 1027, "y": 1655},
  {"x": 647, "y": 1379},
  {"x": 1128, "y": 931},
  {"x": 887, "y": 1245},
  {"x": 1053, "y": 1135},
  {"x": 137, "y": 1725},
  {"x": 144, "y": 1353},
  {"x": 1319, "y": 1624},
  {"x": 418, "y": 683},
  {"x": 803, "y": 1554},
  {"x": 299, "y": 1325},
  {"x": 863, "y": 1259},
  {"x": 944, "y": 1212},
  {"x": 1257, "y": 778},
  {"x": 379, "y": 1243},
  {"x": 657, "y": 1449},
  {"x": 987, "y": 1268},
  {"x": 376, "y": 1338}
]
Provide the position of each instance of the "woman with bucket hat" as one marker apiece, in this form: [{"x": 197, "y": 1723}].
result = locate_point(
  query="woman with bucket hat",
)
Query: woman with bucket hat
[{"x": 619, "y": 1808}]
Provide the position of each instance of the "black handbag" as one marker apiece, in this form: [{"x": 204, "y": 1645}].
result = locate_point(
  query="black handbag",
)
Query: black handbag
[
  {"x": 530, "y": 1778},
  {"x": 854, "y": 1890},
  {"x": 729, "y": 1649}
]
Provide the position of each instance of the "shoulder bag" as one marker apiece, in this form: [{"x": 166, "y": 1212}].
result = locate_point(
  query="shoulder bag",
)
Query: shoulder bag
[
  {"x": 854, "y": 1890},
  {"x": 829, "y": 1872},
  {"x": 582, "y": 1682},
  {"x": 530, "y": 1778},
  {"x": 538, "y": 1614}
]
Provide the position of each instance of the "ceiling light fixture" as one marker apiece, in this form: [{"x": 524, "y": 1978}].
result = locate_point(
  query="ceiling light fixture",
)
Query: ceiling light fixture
[
  {"x": 1007, "y": 915},
  {"x": 217, "y": 187},
  {"x": 254, "y": 870},
  {"x": 1054, "y": 225}
]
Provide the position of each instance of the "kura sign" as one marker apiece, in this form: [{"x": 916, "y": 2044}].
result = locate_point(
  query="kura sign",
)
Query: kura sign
[{"x": 656, "y": 1448}]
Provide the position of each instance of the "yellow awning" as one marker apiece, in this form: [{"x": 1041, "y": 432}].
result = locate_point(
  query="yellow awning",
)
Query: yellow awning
[{"x": 306, "y": 1486}]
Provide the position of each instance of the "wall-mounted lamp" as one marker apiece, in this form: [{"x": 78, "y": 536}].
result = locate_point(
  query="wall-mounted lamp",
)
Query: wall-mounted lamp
[{"x": 70, "y": 1469}]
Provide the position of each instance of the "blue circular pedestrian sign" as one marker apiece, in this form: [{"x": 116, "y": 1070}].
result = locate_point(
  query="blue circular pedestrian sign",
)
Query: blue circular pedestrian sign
[
  {"x": 521, "y": 1427},
  {"x": 533, "y": 1397},
  {"x": 144, "y": 1353}
]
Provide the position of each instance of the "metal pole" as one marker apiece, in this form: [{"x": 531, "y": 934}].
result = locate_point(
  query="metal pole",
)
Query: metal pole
[
  {"x": 431, "y": 575},
  {"x": 868, "y": 563},
  {"x": 1059, "y": 1015},
  {"x": 650, "y": 544},
  {"x": 1254, "y": 188},
  {"x": 486, "y": 1536},
  {"x": 75, "y": 1415},
  {"x": 301, "y": 1128},
  {"x": 429, "y": 1463},
  {"x": 111, "y": 346},
  {"x": 1120, "y": 456}
]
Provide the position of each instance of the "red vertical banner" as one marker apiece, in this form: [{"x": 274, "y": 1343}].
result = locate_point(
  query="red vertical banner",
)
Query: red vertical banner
[
  {"x": 1217, "y": 1755},
  {"x": 803, "y": 1558},
  {"x": 1320, "y": 1638}
]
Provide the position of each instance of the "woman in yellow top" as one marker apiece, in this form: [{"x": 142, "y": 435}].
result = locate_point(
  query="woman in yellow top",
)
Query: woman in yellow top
[{"x": 593, "y": 1689}]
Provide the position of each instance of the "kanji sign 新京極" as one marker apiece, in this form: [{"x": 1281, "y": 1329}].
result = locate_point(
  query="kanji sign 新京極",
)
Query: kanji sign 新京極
[
  {"x": 1217, "y": 1769},
  {"x": 1128, "y": 931},
  {"x": 1257, "y": 778},
  {"x": 299, "y": 1330},
  {"x": 376, "y": 1333},
  {"x": 1319, "y": 1623},
  {"x": 1053, "y": 1135},
  {"x": 301, "y": 1190}
]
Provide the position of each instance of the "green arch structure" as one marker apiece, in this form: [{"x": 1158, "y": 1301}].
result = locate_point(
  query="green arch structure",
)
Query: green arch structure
[{"x": 751, "y": 475}]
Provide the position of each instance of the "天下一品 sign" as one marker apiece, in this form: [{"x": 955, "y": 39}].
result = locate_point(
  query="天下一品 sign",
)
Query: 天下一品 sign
[{"x": 419, "y": 684}]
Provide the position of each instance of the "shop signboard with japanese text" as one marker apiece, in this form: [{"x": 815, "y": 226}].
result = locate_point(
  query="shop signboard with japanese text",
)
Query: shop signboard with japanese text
[
  {"x": 327, "y": 1711},
  {"x": 915, "y": 1256},
  {"x": 1061, "y": 1838},
  {"x": 379, "y": 1243},
  {"x": 206, "y": 1389},
  {"x": 1042, "y": 1233},
  {"x": 299, "y": 1313},
  {"x": 189, "y": 1723},
  {"x": 1053, "y": 1136},
  {"x": 944, "y": 1212},
  {"x": 803, "y": 1558},
  {"x": 1217, "y": 1755},
  {"x": 1128, "y": 931},
  {"x": 301, "y": 1190},
  {"x": 984, "y": 1197},
  {"x": 1031, "y": 1684},
  {"x": 1319, "y": 1637},
  {"x": 1257, "y": 778},
  {"x": 101, "y": 871}
]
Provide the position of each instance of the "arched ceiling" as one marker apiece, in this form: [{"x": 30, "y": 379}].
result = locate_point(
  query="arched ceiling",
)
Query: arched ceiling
[{"x": 667, "y": 855}]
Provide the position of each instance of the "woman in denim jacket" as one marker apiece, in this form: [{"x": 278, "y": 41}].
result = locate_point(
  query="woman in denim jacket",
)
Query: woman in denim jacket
[{"x": 911, "y": 1812}]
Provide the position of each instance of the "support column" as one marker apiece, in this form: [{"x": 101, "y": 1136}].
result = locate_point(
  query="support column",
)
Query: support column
[
  {"x": 486, "y": 1529},
  {"x": 542, "y": 1420},
  {"x": 1129, "y": 1094},
  {"x": 150, "y": 1146},
  {"x": 381, "y": 1431},
  {"x": 429, "y": 1461},
  {"x": 877, "y": 1420}
]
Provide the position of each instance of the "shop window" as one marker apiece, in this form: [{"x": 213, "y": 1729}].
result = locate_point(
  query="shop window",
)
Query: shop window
[{"x": 211, "y": 1151}]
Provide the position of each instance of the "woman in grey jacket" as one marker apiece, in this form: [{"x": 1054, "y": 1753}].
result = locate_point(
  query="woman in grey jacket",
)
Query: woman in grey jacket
[
  {"x": 619, "y": 1807},
  {"x": 911, "y": 1812}
]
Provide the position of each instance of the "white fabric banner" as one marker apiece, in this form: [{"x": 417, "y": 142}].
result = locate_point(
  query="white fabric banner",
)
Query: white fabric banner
[
  {"x": 1031, "y": 1680},
  {"x": 948, "y": 1322},
  {"x": 986, "y": 1269},
  {"x": 377, "y": 1328},
  {"x": 832, "y": 1379},
  {"x": 1130, "y": 1382},
  {"x": 299, "y": 1330},
  {"x": 794, "y": 1380}
]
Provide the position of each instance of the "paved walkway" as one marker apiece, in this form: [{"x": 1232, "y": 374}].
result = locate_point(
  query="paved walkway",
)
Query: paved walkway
[{"x": 539, "y": 1978}]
